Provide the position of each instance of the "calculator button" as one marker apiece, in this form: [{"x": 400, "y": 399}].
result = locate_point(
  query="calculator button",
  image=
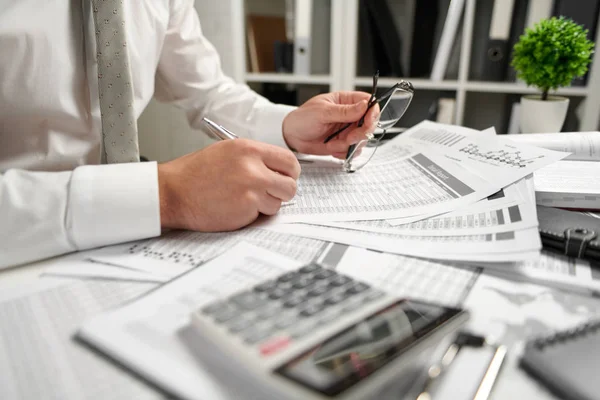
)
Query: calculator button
[
  {"x": 337, "y": 297},
  {"x": 358, "y": 287},
  {"x": 256, "y": 333},
  {"x": 288, "y": 276},
  {"x": 302, "y": 282},
  {"x": 286, "y": 319},
  {"x": 239, "y": 324},
  {"x": 284, "y": 285},
  {"x": 226, "y": 313},
  {"x": 318, "y": 290},
  {"x": 294, "y": 301},
  {"x": 265, "y": 286},
  {"x": 249, "y": 300},
  {"x": 312, "y": 309},
  {"x": 324, "y": 273},
  {"x": 310, "y": 268},
  {"x": 277, "y": 293},
  {"x": 268, "y": 311},
  {"x": 339, "y": 280},
  {"x": 274, "y": 345}
]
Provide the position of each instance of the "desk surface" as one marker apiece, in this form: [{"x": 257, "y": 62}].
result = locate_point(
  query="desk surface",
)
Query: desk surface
[{"x": 506, "y": 310}]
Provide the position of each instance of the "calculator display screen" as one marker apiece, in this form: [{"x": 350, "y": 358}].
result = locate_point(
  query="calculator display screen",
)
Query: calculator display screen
[{"x": 350, "y": 356}]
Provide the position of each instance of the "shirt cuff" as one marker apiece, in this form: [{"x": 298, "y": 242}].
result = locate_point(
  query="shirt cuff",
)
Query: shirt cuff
[
  {"x": 269, "y": 124},
  {"x": 113, "y": 203}
]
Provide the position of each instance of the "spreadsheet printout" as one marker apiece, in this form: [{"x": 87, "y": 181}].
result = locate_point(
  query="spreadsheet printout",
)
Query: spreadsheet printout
[
  {"x": 396, "y": 183},
  {"x": 485, "y": 216},
  {"x": 504, "y": 197},
  {"x": 518, "y": 245},
  {"x": 512, "y": 217},
  {"x": 176, "y": 252},
  {"x": 39, "y": 359}
]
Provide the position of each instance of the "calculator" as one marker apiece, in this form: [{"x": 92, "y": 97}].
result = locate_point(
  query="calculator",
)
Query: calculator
[{"x": 313, "y": 333}]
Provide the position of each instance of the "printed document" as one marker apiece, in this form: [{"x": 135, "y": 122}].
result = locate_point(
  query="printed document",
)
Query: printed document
[
  {"x": 583, "y": 146},
  {"x": 429, "y": 169},
  {"x": 397, "y": 182},
  {"x": 569, "y": 184},
  {"x": 483, "y": 217},
  {"x": 39, "y": 358},
  {"x": 494, "y": 158},
  {"x": 176, "y": 252},
  {"x": 499, "y": 247}
]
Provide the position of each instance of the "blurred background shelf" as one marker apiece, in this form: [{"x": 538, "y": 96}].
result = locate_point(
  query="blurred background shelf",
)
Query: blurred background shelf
[
  {"x": 343, "y": 41},
  {"x": 417, "y": 83},
  {"x": 288, "y": 78},
  {"x": 517, "y": 88}
]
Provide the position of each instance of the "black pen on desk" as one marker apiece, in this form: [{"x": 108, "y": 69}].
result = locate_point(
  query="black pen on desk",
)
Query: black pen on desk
[{"x": 221, "y": 132}]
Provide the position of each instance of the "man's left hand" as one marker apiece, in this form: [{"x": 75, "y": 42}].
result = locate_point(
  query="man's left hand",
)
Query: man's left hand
[{"x": 305, "y": 128}]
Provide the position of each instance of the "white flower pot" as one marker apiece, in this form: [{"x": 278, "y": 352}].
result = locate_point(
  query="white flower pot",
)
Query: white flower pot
[{"x": 546, "y": 116}]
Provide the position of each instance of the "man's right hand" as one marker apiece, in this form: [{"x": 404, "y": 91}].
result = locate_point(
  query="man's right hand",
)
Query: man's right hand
[{"x": 226, "y": 185}]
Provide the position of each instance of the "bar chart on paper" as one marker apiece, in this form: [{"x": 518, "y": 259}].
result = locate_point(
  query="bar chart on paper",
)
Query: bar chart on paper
[{"x": 464, "y": 223}]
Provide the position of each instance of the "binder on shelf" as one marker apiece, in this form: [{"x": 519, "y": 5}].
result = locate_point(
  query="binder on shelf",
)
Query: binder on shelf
[
  {"x": 495, "y": 58},
  {"x": 583, "y": 12},
  {"x": 302, "y": 36},
  {"x": 366, "y": 57},
  {"x": 517, "y": 27},
  {"x": 403, "y": 14},
  {"x": 538, "y": 10},
  {"x": 423, "y": 37},
  {"x": 321, "y": 32},
  {"x": 445, "y": 45},
  {"x": 386, "y": 42}
]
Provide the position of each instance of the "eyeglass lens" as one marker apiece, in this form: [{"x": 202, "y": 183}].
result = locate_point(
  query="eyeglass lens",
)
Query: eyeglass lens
[{"x": 392, "y": 107}]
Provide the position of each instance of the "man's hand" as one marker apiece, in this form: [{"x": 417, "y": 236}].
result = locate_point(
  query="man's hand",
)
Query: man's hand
[
  {"x": 305, "y": 128},
  {"x": 226, "y": 185}
]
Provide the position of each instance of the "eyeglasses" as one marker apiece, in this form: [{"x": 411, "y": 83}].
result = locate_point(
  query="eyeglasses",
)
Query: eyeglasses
[{"x": 393, "y": 103}]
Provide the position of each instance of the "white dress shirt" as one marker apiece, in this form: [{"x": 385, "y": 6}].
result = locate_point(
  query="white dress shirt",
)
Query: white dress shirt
[{"x": 54, "y": 197}]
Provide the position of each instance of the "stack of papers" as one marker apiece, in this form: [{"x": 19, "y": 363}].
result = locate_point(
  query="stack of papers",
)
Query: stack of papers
[
  {"x": 574, "y": 182},
  {"x": 437, "y": 191}
]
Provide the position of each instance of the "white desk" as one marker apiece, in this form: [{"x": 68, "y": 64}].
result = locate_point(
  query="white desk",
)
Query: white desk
[{"x": 507, "y": 310}]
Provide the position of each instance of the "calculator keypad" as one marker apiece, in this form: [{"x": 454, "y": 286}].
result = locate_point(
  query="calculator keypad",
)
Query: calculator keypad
[{"x": 290, "y": 306}]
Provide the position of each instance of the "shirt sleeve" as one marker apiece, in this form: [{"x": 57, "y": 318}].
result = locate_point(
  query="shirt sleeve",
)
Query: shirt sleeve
[
  {"x": 189, "y": 75},
  {"x": 44, "y": 214}
]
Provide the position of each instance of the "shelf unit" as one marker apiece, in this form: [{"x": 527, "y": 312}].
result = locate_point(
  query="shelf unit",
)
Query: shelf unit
[{"x": 343, "y": 56}]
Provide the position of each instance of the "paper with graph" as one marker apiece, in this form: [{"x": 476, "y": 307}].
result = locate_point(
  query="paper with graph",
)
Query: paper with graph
[{"x": 431, "y": 168}]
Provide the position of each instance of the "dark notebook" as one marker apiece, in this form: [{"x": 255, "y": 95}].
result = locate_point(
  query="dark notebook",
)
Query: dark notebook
[
  {"x": 570, "y": 233},
  {"x": 567, "y": 362}
]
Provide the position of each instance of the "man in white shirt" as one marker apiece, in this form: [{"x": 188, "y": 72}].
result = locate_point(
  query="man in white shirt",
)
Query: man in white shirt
[{"x": 56, "y": 197}]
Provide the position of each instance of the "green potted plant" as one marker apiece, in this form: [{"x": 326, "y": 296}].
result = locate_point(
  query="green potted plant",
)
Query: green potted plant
[{"x": 548, "y": 56}]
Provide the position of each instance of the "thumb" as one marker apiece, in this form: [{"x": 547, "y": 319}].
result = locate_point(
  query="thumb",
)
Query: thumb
[{"x": 345, "y": 112}]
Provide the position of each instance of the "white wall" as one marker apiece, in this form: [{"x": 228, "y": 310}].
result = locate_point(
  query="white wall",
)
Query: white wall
[{"x": 163, "y": 129}]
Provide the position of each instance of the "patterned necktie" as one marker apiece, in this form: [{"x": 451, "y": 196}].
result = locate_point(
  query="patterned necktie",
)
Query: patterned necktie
[{"x": 119, "y": 125}]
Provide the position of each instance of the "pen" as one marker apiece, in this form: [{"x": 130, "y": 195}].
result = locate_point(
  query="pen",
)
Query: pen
[{"x": 221, "y": 132}]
